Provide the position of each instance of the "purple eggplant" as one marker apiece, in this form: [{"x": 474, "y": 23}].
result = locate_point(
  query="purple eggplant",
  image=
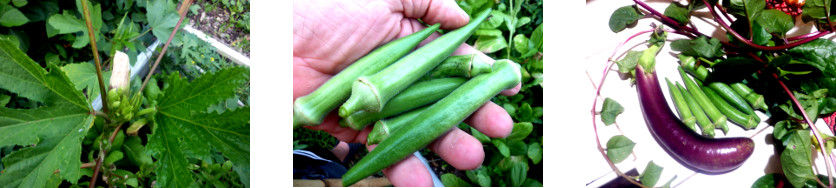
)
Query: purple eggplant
[{"x": 698, "y": 153}]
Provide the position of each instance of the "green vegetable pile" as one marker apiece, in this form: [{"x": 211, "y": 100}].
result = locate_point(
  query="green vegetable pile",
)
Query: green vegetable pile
[{"x": 791, "y": 79}]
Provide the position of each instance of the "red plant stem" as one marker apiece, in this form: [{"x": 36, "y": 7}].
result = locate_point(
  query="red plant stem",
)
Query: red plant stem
[
  {"x": 668, "y": 21},
  {"x": 810, "y": 123},
  {"x": 749, "y": 42},
  {"x": 96, "y": 59},
  {"x": 165, "y": 47},
  {"x": 101, "y": 157}
]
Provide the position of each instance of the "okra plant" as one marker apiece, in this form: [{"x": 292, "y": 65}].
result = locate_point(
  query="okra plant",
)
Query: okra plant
[{"x": 161, "y": 132}]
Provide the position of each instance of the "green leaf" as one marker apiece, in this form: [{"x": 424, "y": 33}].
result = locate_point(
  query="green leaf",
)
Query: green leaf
[
  {"x": 517, "y": 147},
  {"x": 701, "y": 46},
  {"x": 521, "y": 44},
  {"x": 11, "y": 17},
  {"x": 135, "y": 152},
  {"x": 535, "y": 152},
  {"x": 163, "y": 18},
  {"x": 651, "y": 174},
  {"x": 536, "y": 40},
  {"x": 55, "y": 129},
  {"x": 748, "y": 8},
  {"x": 668, "y": 184},
  {"x": 619, "y": 147},
  {"x": 509, "y": 162},
  {"x": 678, "y": 12},
  {"x": 518, "y": 174},
  {"x": 775, "y": 21},
  {"x": 4, "y": 99},
  {"x": 623, "y": 17},
  {"x": 610, "y": 110},
  {"x": 531, "y": 183},
  {"x": 19, "y": 3},
  {"x": 451, "y": 180},
  {"x": 494, "y": 21},
  {"x": 83, "y": 75},
  {"x": 490, "y": 44},
  {"x": 503, "y": 149},
  {"x": 767, "y": 181},
  {"x": 795, "y": 159},
  {"x": 520, "y": 131},
  {"x": 488, "y": 32},
  {"x": 818, "y": 52},
  {"x": 815, "y": 9},
  {"x": 760, "y": 36},
  {"x": 183, "y": 130},
  {"x": 628, "y": 63},
  {"x": 66, "y": 23},
  {"x": 522, "y": 21}
]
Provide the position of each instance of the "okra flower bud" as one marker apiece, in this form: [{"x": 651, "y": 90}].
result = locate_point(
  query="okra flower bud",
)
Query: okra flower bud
[{"x": 121, "y": 75}]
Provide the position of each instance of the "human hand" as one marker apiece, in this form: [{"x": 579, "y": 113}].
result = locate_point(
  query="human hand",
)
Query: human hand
[{"x": 330, "y": 35}]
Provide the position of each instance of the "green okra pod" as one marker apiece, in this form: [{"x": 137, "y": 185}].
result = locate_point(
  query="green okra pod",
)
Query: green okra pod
[
  {"x": 436, "y": 120},
  {"x": 682, "y": 106},
  {"x": 466, "y": 66},
  {"x": 371, "y": 93},
  {"x": 383, "y": 127},
  {"x": 705, "y": 124},
  {"x": 416, "y": 95},
  {"x": 718, "y": 118},
  {"x": 745, "y": 120},
  {"x": 754, "y": 99},
  {"x": 312, "y": 108},
  {"x": 737, "y": 101}
]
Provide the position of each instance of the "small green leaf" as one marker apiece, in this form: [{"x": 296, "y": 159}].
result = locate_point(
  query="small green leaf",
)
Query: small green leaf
[
  {"x": 795, "y": 159},
  {"x": 678, "y": 12},
  {"x": 525, "y": 112},
  {"x": 531, "y": 183},
  {"x": 521, "y": 43},
  {"x": 701, "y": 46},
  {"x": 11, "y": 17},
  {"x": 488, "y": 32},
  {"x": 767, "y": 181},
  {"x": 522, "y": 21},
  {"x": 4, "y": 99},
  {"x": 535, "y": 152},
  {"x": 451, "y": 180},
  {"x": 517, "y": 147},
  {"x": 518, "y": 174},
  {"x": 815, "y": 9},
  {"x": 484, "y": 180},
  {"x": 20, "y": 3},
  {"x": 619, "y": 147},
  {"x": 503, "y": 149},
  {"x": 490, "y": 44},
  {"x": 135, "y": 152},
  {"x": 651, "y": 174},
  {"x": 494, "y": 21},
  {"x": 623, "y": 17},
  {"x": 83, "y": 75},
  {"x": 509, "y": 162},
  {"x": 536, "y": 39},
  {"x": 520, "y": 131},
  {"x": 775, "y": 21},
  {"x": 610, "y": 110}
]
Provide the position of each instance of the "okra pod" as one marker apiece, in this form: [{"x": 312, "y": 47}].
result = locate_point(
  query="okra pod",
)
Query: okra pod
[
  {"x": 466, "y": 66},
  {"x": 383, "y": 127},
  {"x": 682, "y": 106},
  {"x": 745, "y": 120},
  {"x": 416, "y": 95},
  {"x": 737, "y": 101},
  {"x": 312, "y": 108},
  {"x": 754, "y": 99},
  {"x": 705, "y": 124},
  {"x": 436, "y": 120},
  {"x": 371, "y": 93},
  {"x": 718, "y": 118}
]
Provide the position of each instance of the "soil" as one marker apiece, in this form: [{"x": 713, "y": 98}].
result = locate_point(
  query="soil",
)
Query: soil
[{"x": 217, "y": 23}]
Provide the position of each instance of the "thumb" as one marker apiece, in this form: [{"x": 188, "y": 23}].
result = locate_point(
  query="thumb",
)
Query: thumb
[{"x": 445, "y": 12}]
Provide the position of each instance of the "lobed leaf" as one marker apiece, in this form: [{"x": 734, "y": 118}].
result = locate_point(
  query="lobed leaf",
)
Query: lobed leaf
[
  {"x": 53, "y": 131},
  {"x": 184, "y": 130}
]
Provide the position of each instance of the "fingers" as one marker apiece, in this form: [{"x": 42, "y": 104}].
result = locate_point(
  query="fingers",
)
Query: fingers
[
  {"x": 459, "y": 149},
  {"x": 446, "y": 12},
  {"x": 491, "y": 120},
  {"x": 331, "y": 125},
  {"x": 409, "y": 172}
]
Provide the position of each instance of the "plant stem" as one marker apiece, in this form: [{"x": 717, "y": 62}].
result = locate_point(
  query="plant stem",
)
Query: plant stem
[
  {"x": 165, "y": 47},
  {"x": 102, "y": 154},
  {"x": 749, "y": 42},
  {"x": 96, "y": 59},
  {"x": 140, "y": 35},
  {"x": 810, "y": 124}
]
